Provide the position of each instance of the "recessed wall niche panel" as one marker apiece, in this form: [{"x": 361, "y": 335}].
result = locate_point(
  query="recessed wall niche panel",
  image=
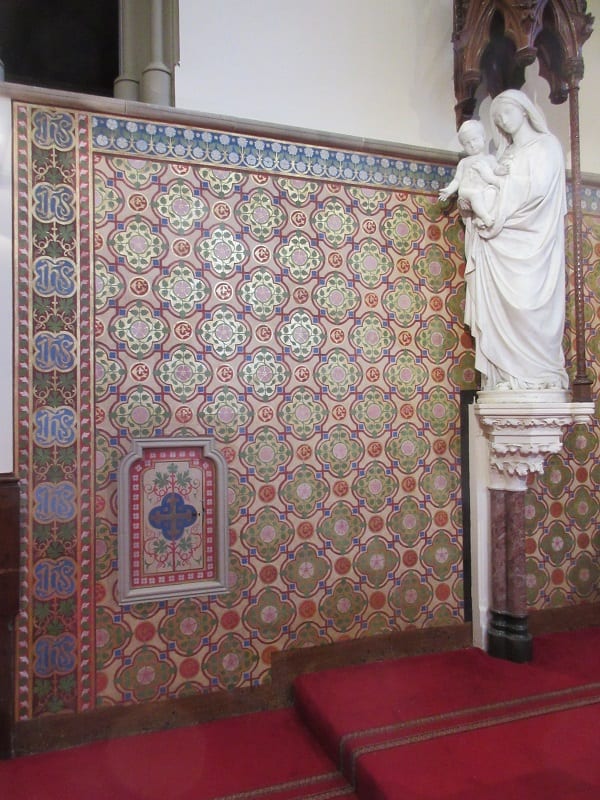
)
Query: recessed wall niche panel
[{"x": 172, "y": 520}]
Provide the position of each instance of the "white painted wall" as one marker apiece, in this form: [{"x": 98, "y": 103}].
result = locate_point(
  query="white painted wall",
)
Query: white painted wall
[
  {"x": 381, "y": 69},
  {"x": 343, "y": 66},
  {"x": 479, "y": 466},
  {"x": 589, "y": 114}
]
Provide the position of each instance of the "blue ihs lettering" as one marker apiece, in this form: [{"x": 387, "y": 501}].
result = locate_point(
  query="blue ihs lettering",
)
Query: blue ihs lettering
[
  {"x": 54, "y": 578},
  {"x": 54, "y": 426},
  {"x": 53, "y": 129},
  {"x": 54, "y": 277},
  {"x": 54, "y": 351},
  {"x": 54, "y": 655},
  {"x": 54, "y": 501},
  {"x": 53, "y": 203}
]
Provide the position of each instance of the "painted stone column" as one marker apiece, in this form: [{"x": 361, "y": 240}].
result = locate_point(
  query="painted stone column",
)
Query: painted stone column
[
  {"x": 127, "y": 85},
  {"x": 522, "y": 429},
  {"x": 149, "y": 50},
  {"x": 155, "y": 85}
]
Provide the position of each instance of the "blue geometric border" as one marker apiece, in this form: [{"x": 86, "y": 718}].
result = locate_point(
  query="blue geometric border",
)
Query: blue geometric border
[
  {"x": 590, "y": 198},
  {"x": 140, "y": 138},
  {"x": 218, "y": 149}
]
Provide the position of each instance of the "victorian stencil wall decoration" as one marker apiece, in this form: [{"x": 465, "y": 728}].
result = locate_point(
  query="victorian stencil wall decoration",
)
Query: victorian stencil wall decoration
[{"x": 300, "y": 307}]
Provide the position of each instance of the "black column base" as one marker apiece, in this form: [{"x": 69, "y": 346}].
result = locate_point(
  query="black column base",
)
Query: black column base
[{"x": 508, "y": 638}]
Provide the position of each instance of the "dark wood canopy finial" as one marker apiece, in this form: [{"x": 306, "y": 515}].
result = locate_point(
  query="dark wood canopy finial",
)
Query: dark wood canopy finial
[{"x": 494, "y": 40}]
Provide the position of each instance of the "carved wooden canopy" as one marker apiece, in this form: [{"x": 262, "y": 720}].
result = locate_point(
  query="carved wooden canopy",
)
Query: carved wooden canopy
[{"x": 494, "y": 40}]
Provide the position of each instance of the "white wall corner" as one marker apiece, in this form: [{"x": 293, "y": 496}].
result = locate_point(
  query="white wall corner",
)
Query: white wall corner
[{"x": 480, "y": 527}]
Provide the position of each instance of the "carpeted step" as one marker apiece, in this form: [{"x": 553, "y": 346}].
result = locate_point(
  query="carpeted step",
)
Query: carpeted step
[
  {"x": 374, "y": 719},
  {"x": 254, "y": 757},
  {"x": 554, "y": 757}
]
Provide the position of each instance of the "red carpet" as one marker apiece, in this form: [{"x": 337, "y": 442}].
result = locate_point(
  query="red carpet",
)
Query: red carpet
[
  {"x": 464, "y": 725},
  {"x": 252, "y": 757},
  {"x": 443, "y": 726},
  {"x": 553, "y": 758}
]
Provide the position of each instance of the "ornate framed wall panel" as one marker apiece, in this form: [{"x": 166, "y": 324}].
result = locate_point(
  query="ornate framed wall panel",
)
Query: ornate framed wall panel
[{"x": 172, "y": 520}]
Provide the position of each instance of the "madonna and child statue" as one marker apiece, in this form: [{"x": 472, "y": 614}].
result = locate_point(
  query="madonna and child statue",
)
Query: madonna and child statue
[{"x": 513, "y": 205}]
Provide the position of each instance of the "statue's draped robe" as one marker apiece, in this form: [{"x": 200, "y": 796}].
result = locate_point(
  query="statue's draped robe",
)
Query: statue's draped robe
[{"x": 515, "y": 303}]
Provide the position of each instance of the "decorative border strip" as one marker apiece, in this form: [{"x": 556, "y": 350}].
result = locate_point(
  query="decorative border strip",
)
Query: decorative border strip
[
  {"x": 55, "y": 447},
  {"x": 86, "y": 442},
  {"x": 590, "y": 198},
  {"x": 166, "y": 141},
  {"x": 140, "y": 138},
  {"x": 301, "y": 783},
  {"x": 23, "y": 401}
]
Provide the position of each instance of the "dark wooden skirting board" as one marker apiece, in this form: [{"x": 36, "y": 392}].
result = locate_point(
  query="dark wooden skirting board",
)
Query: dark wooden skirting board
[
  {"x": 9, "y": 602},
  {"x": 68, "y": 730},
  {"x": 569, "y": 618},
  {"x": 288, "y": 665}
]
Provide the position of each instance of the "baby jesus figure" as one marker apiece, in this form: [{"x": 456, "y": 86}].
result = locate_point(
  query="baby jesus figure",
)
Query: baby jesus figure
[{"x": 478, "y": 176}]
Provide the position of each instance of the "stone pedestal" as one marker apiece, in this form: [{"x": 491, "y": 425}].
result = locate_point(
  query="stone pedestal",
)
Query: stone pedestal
[{"x": 522, "y": 429}]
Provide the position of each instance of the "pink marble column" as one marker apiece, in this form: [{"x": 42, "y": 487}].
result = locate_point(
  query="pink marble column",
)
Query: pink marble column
[
  {"x": 516, "y": 590},
  {"x": 498, "y": 530},
  {"x": 508, "y": 636}
]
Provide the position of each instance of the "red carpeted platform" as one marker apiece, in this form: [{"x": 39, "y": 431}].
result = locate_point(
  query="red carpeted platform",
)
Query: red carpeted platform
[
  {"x": 449, "y": 725},
  {"x": 252, "y": 757},
  {"x": 464, "y": 725}
]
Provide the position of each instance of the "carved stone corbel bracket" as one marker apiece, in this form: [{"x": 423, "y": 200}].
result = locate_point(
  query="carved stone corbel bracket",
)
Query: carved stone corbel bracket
[{"x": 522, "y": 429}]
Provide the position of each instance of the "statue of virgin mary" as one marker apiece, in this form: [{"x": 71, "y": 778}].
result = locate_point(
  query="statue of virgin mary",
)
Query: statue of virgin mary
[{"x": 515, "y": 275}]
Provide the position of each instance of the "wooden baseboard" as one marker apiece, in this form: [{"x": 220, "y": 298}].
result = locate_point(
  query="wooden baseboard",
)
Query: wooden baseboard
[
  {"x": 288, "y": 665},
  {"x": 69, "y": 730},
  {"x": 568, "y": 618},
  {"x": 9, "y": 604}
]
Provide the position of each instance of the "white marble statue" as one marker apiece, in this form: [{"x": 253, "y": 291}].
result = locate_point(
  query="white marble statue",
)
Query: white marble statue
[
  {"x": 515, "y": 274},
  {"x": 477, "y": 176}
]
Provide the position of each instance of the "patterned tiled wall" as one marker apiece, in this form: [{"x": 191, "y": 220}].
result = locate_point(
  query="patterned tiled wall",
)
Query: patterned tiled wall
[{"x": 302, "y": 306}]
